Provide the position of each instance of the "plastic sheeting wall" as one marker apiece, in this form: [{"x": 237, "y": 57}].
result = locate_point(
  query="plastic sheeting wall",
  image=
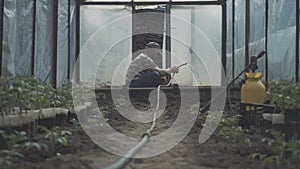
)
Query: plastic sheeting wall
[
  {"x": 18, "y": 39},
  {"x": 18, "y": 34},
  {"x": 207, "y": 48},
  {"x": 229, "y": 61},
  {"x": 281, "y": 42},
  {"x": 105, "y": 44},
  {"x": 239, "y": 36},
  {"x": 257, "y": 32},
  {"x": 197, "y": 40},
  {"x": 43, "y": 62},
  {"x": 281, "y": 37},
  {"x": 62, "y": 42}
]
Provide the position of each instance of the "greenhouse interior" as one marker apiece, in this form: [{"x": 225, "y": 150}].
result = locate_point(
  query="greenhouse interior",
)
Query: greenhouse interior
[{"x": 200, "y": 84}]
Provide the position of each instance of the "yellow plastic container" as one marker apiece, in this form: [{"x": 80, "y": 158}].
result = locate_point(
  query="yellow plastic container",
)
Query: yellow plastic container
[{"x": 253, "y": 91}]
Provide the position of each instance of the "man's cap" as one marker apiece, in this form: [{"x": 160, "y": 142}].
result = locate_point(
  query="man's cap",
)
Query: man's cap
[{"x": 152, "y": 45}]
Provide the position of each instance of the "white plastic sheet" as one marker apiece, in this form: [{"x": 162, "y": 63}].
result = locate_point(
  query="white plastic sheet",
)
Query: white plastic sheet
[
  {"x": 239, "y": 36},
  {"x": 62, "y": 42},
  {"x": 281, "y": 49},
  {"x": 257, "y": 32},
  {"x": 229, "y": 58},
  {"x": 17, "y": 37},
  {"x": 281, "y": 37},
  {"x": 18, "y": 34},
  {"x": 105, "y": 43},
  {"x": 43, "y": 62},
  {"x": 197, "y": 40}
]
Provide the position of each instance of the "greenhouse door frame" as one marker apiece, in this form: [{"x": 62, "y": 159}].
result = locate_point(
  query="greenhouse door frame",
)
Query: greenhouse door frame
[{"x": 168, "y": 4}]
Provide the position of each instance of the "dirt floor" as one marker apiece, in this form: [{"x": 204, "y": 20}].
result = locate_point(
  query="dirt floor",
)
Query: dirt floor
[{"x": 217, "y": 153}]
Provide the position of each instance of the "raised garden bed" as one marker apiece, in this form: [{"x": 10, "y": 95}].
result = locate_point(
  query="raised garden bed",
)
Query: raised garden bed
[{"x": 29, "y": 121}]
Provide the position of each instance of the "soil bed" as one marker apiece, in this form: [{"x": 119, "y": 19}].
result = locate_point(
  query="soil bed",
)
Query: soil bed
[{"x": 217, "y": 153}]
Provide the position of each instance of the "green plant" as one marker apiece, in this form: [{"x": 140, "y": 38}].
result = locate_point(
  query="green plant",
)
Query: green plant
[
  {"x": 15, "y": 144},
  {"x": 64, "y": 94},
  {"x": 8, "y": 156},
  {"x": 284, "y": 154},
  {"x": 229, "y": 129},
  {"x": 6, "y": 97},
  {"x": 284, "y": 94},
  {"x": 9, "y": 151},
  {"x": 81, "y": 93},
  {"x": 229, "y": 126},
  {"x": 19, "y": 140},
  {"x": 11, "y": 140},
  {"x": 25, "y": 92},
  {"x": 55, "y": 136}
]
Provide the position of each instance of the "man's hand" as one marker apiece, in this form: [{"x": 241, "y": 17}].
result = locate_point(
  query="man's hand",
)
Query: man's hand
[
  {"x": 164, "y": 80},
  {"x": 174, "y": 69}
]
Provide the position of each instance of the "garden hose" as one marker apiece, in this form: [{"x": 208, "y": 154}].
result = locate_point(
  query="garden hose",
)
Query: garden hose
[{"x": 132, "y": 152}]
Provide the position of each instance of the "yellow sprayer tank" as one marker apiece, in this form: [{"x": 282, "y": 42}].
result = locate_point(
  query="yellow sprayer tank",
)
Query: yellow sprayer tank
[{"x": 253, "y": 91}]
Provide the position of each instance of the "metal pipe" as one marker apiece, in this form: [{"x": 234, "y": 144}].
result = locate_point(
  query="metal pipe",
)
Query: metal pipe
[
  {"x": 54, "y": 42},
  {"x": 33, "y": 37},
  {"x": 297, "y": 40},
  {"x": 168, "y": 35},
  {"x": 224, "y": 41},
  {"x": 77, "y": 66},
  {"x": 232, "y": 36},
  {"x": 155, "y": 3},
  {"x": 247, "y": 31},
  {"x": 69, "y": 40},
  {"x": 266, "y": 40},
  {"x": 1, "y": 34},
  {"x": 134, "y": 46}
]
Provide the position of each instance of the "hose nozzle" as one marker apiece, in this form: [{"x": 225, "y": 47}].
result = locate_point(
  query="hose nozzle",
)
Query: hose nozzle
[{"x": 182, "y": 65}]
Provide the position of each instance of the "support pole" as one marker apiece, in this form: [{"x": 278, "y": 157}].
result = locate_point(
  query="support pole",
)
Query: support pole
[
  {"x": 247, "y": 31},
  {"x": 266, "y": 40},
  {"x": 33, "y": 37},
  {"x": 1, "y": 34},
  {"x": 224, "y": 41},
  {"x": 55, "y": 27},
  {"x": 297, "y": 40}
]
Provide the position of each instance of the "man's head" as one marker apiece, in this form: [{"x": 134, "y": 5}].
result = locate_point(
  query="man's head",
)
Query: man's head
[
  {"x": 152, "y": 45},
  {"x": 153, "y": 50}
]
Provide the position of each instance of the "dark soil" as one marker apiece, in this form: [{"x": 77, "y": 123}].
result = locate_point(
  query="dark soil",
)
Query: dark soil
[{"x": 217, "y": 153}]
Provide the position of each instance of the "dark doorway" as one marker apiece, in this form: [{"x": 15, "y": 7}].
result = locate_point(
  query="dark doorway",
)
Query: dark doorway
[{"x": 151, "y": 21}]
